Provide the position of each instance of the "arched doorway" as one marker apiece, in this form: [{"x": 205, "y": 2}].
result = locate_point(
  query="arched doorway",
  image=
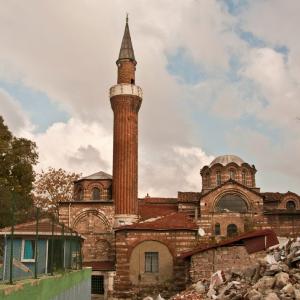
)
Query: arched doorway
[{"x": 232, "y": 230}]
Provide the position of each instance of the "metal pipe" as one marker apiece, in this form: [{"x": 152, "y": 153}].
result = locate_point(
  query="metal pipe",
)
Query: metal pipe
[
  {"x": 12, "y": 238},
  {"x": 36, "y": 243},
  {"x": 70, "y": 248},
  {"x": 5, "y": 255},
  {"x": 52, "y": 246},
  {"x": 63, "y": 244}
]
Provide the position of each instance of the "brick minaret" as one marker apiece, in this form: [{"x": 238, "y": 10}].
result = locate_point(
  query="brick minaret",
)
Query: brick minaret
[{"x": 125, "y": 98}]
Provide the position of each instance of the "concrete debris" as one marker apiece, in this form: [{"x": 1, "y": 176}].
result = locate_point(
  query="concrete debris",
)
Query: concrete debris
[{"x": 276, "y": 277}]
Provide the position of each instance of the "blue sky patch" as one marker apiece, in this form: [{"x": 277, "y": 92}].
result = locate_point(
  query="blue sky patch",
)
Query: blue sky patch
[
  {"x": 37, "y": 105},
  {"x": 182, "y": 66},
  {"x": 234, "y": 7}
]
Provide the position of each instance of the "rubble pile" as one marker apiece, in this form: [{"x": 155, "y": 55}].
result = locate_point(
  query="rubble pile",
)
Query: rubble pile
[{"x": 275, "y": 277}]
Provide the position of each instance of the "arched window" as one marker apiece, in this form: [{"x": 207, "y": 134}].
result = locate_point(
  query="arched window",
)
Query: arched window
[
  {"x": 290, "y": 205},
  {"x": 218, "y": 177},
  {"x": 232, "y": 174},
  {"x": 231, "y": 203},
  {"x": 207, "y": 177},
  {"x": 217, "y": 229},
  {"x": 95, "y": 194},
  {"x": 79, "y": 194},
  {"x": 244, "y": 177},
  {"x": 232, "y": 230}
]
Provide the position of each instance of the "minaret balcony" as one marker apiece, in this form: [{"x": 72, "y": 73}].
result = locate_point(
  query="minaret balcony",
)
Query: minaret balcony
[{"x": 125, "y": 89}]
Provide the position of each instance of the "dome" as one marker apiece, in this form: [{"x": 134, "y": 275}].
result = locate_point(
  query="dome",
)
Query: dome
[{"x": 227, "y": 159}]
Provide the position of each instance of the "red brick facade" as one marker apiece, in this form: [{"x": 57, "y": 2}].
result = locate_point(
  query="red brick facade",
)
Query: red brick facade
[{"x": 104, "y": 207}]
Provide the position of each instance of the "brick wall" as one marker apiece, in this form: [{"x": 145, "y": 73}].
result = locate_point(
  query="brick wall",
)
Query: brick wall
[
  {"x": 204, "y": 264},
  {"x": 94, "y": 220},
  {"x": 126, "y": 241}
]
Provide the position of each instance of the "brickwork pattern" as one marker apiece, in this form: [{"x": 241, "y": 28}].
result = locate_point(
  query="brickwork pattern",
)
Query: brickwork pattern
[
  {"x": 125, "y": 153},
  {"x": 204, "y": 264},
  {"x": 176, "y": 241}
]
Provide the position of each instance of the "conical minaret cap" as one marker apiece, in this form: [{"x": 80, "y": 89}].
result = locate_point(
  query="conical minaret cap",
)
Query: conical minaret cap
[{"x": 126, "y": 51}]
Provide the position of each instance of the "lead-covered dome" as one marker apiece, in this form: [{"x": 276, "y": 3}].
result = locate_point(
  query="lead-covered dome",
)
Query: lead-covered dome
[{"x": 224, "y": 160}]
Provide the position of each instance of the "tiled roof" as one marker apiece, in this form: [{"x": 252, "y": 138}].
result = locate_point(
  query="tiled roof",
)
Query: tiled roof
[
  {"x": 188, "y": 196},
  {"x": 254, "y": 241},
  {"x": 98, "y": 175},
  {"x": 173, "y": 221},
  {"x": 230, "y": 181},
  {"x": 100, "y": 265},
  {"x": 276, "y": 197},
  {"x": 270, "y": 197},
  {"x": 45, "y": 228},
  {"x": 147, "y": 211}
]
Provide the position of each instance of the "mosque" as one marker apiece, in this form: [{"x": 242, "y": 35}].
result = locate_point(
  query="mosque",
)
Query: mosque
[{"x": 134, "y": 244}]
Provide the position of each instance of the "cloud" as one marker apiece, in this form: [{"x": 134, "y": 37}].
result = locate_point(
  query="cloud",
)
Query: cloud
[
  {"x": 14, "y": 117},
  {"x": 75, "y": 146},
  {"x": 68, "y": 53}
]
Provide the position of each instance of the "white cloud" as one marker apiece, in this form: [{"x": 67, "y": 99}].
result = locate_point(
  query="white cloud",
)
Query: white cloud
[
  {"x": 14, "y": 117},
  {"x": 68, "y": 51}
]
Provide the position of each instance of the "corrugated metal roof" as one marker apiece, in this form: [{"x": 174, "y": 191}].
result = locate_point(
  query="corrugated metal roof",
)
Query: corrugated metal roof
[
  {"x": 254, "y": 241},
  {"x": 45, "y": 228}
]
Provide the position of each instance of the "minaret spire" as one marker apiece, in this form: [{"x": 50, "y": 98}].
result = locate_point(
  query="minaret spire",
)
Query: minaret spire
[
  {"x": 125, "y": 99},
  {"x": 126, "y": 50}
]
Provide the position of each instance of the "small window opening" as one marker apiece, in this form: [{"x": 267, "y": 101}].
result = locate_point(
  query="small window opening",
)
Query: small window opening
[
  {"x": 28, "y": 253},
  {"x": 244, "y": 178},
  {"x": 232, "y": 174},
  {"x": 217, "y": 229},
  {"x": 97, "y": 284},
  {"x": 132, "y": 81},
  {"x": 232, "y": 230},
  {"x": 218, "y": 177},
  {"x": 151, "y": 262},
  {"x": 290, "y": 205},
  {"x": 95, "y": 194}
]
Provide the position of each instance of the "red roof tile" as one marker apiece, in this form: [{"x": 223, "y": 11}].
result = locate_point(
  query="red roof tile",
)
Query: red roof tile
[
  {"x": 147, "y": 211},
  {"x": 173, "y": 221},
  {"x": 100, "y": 265},
  {"x": 45, "y": 228},
  {"x": 254, "y": 241}
]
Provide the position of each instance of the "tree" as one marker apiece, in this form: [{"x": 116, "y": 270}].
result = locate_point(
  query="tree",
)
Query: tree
[
  {"x": 53, "y": 186},
  {"x": 17, "y": 158}
]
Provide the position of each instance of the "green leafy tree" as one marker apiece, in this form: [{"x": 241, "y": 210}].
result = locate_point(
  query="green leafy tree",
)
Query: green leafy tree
[
  {"x": 53, "y": 186},
  {"x": 17, "y": 158}
]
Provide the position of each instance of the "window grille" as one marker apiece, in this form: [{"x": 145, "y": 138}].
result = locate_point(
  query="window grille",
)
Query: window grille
[
  {"x": 232, "y": 203},
  {"x": 97, "y": 284},
  {"x": 151, "y": 262}
]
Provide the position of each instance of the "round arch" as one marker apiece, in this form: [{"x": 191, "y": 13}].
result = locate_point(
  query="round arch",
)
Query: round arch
[
  {"x": 151, "y": 261},
  {"x": 231, "y": 201},
  {"x": 91, "y": 212}
]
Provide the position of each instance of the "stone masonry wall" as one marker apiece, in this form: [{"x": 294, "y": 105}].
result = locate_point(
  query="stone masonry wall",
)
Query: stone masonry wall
[
  {"x": 94, "y": 220},
  {"x": 176, "y": 241},
  {"x": 204, "y": 264}
]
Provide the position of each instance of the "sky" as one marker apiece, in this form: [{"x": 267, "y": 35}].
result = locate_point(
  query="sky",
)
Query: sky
[{"x": 218, "y": 77}]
